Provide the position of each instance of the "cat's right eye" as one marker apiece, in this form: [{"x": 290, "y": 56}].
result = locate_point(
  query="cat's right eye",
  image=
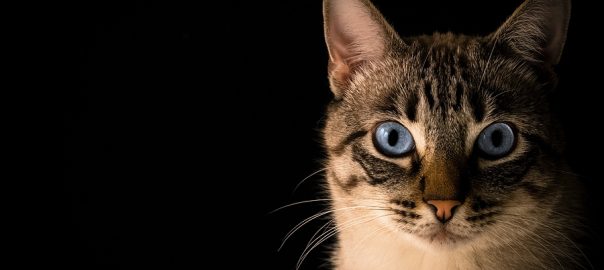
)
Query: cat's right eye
[{"x": 393, "y": 139}]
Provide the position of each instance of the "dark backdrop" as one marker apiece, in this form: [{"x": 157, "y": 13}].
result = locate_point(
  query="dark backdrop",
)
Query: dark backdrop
[{"x": 186, "y": 124}]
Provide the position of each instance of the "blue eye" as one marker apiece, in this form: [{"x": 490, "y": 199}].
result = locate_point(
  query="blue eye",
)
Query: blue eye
[
  {"x": 393, "y": 139},
  {"x": 496, "y": 140}
]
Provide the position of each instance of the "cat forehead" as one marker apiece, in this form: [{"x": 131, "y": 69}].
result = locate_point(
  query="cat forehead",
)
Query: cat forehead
[
  {"x": 444, "y": 48},
  {"x": 444, "y": 86},
  {"x": 444, "y": 67},
  {"x": 441, "y": 56}
]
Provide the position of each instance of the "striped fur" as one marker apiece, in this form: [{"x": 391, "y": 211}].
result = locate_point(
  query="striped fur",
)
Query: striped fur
[{"x": 519, "y": 211}]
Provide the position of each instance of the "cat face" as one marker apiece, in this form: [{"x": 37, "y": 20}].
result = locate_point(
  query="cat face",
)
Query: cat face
[{"x": 443, "y": 139}]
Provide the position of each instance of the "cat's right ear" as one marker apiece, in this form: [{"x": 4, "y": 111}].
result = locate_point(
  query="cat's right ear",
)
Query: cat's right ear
[{"x": 356, "y": 34}]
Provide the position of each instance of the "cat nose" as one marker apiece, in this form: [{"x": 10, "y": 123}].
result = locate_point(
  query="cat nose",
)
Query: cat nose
[{"x": 444, "y": 209}]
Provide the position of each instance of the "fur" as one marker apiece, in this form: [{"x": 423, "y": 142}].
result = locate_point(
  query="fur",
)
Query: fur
[{"x": 520, "y": 211}]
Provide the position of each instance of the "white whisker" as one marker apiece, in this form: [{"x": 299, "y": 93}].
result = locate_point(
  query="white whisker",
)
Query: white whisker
[
  {"x": 534, "y": 236},
  {"x": 315, "y": 216},
  {"x": 554, "y": 230},
  {"x": 298, "y": 203},
  {"x": 306, "y": 178},
  {"x": 500, "y": 239},
  {"x": 486, "y": 67},
  {"x": 334, "y": 231}
]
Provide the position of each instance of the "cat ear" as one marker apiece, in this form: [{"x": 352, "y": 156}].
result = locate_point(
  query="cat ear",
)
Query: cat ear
[
  {"x": 537, "y": 30},
  {"x": 356, "y": 34}
]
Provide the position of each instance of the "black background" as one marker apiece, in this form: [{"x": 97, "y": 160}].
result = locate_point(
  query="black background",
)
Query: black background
[{"x": 186, "y": 124}]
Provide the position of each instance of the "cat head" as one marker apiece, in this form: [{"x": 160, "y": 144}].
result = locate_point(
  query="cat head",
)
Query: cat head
[{"x": 444, "y": 139}]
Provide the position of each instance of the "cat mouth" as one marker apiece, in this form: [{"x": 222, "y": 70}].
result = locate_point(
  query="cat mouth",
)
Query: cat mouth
[{"x": 444, "y": 236}]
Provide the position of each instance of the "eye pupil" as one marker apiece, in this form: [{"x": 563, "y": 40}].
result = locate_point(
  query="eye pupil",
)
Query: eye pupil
[
  {"x": 497, "y": 138},
  {"x": 392, "y": 137}
]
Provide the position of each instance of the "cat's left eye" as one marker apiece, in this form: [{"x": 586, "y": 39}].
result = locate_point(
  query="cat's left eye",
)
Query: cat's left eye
[
  {"x": 393, "y": 139},
  {"x": 496, "y": 140}
]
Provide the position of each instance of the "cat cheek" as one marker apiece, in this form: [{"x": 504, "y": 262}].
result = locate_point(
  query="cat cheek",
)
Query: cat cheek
[{"x": 346, "y": 174}]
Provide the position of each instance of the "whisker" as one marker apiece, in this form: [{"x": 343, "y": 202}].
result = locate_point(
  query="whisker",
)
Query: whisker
[
  {"x": 325, "y": 200},
  {"x": 502, "y": 240},
  {"x": 484, "y": 72},
  {"x": 306, "y": 178},
  {"x": 529, "y": 250},
  {"x": 427, "y": 55},
  {"x": 323, "y": 228},
  {"x": 324, "y": 236},
  {"x": 575, "y": 246},
  {"x": 334, "y": 228},
  {"x": 315, "y": 216},
  {"x": 559, "y": 223},
  {"x": 538, "y": 242},
  {"x": 332, "y": 232},
  {"x": 569, "y": 173},
  {"x": 500, "y": 93},
  {"x": 298, "y": 203}
]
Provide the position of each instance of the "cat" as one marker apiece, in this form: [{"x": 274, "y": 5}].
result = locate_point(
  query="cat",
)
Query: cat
[{"x": 442, "y": 151}]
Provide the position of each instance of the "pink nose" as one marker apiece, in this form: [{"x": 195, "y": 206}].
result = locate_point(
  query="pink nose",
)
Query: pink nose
[{"x": 444, "y": 209}]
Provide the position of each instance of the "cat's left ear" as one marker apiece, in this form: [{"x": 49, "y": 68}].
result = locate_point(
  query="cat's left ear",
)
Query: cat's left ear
[{"x": 537, "y": 30}]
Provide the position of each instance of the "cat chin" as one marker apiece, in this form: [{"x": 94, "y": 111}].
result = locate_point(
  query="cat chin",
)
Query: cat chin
[
  {"x": 444, "y": 239},
  {"x": 441, "y": 240}
]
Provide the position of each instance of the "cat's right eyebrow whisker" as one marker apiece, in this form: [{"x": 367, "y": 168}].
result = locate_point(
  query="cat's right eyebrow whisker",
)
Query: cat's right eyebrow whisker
[{"x": 486, "y": 67}]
